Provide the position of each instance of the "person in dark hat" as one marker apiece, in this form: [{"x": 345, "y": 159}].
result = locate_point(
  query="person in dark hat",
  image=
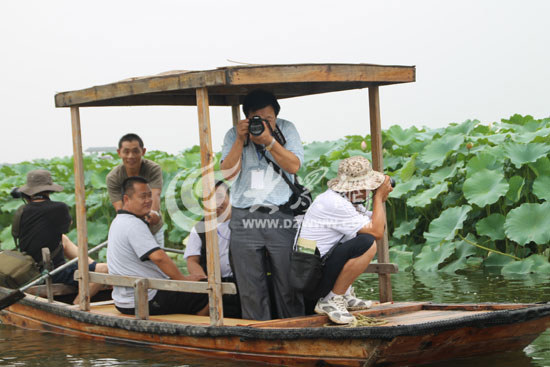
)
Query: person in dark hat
[{"x": 42, "y": 222}]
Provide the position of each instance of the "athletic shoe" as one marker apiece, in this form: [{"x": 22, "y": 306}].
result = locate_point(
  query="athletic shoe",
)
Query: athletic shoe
[
  {"x": 353, "y": 303},
  {"x": 335, "y": 309}
]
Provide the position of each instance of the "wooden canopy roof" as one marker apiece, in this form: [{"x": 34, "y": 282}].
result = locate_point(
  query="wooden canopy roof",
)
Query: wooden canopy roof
[{"x": 227, "y": 86}]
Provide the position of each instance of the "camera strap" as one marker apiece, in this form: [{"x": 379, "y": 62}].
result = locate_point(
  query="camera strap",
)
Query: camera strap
[{"x": 277, "y": 134}]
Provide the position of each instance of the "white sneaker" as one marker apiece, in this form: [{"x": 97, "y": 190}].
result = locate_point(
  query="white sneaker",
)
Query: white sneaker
[
  {"x": 335, "y": 309},
  {"x": 353, "y": 303}
]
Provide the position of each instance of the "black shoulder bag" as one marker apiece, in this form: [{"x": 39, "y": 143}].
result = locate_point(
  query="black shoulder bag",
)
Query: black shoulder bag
[
  {"x": 301, "y": 199},
  {"x": 306, "y": 269}
]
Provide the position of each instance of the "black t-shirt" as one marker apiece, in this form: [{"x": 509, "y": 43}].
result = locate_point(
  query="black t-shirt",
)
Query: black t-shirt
[{"x": 42, "y": 224}]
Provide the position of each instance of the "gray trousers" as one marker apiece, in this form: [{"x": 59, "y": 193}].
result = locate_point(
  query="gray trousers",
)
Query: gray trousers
[{"x": 259, "y": 240}]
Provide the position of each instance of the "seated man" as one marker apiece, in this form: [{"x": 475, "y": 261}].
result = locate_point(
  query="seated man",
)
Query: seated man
[
  {"x": 338, "y": 222},
  {"x": 133, "y": 251},
  {"x": 195, "y": 251},
  {"x": 42, "y": 223}
]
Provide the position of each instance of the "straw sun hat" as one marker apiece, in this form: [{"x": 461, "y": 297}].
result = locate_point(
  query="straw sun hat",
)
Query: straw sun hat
[
  {"x": 39, "y": 180},
  {"x": 355, "y": 173}
]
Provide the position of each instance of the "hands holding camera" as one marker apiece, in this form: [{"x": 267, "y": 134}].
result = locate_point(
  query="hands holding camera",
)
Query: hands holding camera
[
  {"x": 384, "y": 190},
  {"x": 256, "y": 129}
]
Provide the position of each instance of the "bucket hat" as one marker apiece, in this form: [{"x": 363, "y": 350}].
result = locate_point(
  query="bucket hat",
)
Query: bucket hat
[
  {"x": 355, "y": 173},
  {"x": 39, "y": 180}
]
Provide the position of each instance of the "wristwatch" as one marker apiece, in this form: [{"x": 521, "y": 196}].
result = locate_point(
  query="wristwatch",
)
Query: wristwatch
[{"x": 270, "y": 146}]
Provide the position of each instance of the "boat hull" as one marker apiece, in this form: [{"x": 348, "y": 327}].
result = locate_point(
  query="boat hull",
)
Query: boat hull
[{"x": 289, "y": 342}]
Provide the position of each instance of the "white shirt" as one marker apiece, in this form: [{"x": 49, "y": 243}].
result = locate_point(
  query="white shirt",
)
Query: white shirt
[
  {"x": 332, "y": 218},
  {"x": 194, "y": 245},
  {"x": 130, "y": 243}
]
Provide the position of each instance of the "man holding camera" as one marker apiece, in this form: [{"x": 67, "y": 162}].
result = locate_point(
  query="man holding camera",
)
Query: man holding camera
[
  {"x": 260, "y": 240},
  {"x": 343, "y": 231}
]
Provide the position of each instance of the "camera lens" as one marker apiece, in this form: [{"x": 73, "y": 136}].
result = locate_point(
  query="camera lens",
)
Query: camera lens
[
  {"x": 15, "y": 193},
  {"x": 256, "y": 126},
  {"x": 392, "y": 182}
]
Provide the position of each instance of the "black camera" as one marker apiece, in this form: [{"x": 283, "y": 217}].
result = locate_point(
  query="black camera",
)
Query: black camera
[
  {"x": 256, "y": 125},
  {"x": 15, "y": 193},
  {"x": 392, "y": 182}
]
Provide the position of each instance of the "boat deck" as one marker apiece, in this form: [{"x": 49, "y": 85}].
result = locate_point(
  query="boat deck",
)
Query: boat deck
[{"x": 395, "y": 314}]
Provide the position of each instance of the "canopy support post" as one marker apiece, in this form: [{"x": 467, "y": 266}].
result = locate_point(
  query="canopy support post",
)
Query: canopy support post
[
  {"x": 235, "y": 112},
  {"x": 209, "y": 202},
  {"x": 80, "y": 201},
  {"x": 384, "y": 279}
]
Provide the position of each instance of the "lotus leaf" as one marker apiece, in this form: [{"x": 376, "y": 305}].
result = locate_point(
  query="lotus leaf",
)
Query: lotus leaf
[
  {"x": 463, "y": 251},
  {"x": 541, "y": 167},
  {"x": 401, "y": 137},
  {"x": 529, "y": 223},
  {"x": 429, "y": 134},
  {"x": 518, "y": 119},
  {"x": 541, "y": 187},
  {"x": 445, "y": 172},
  {"x": 313, "y": 151},
  {"x": 518, "y": 267},
  {"x": 10, "y": 206},
  {"x": 464, "y": 128},
  {"x": 528, "y": 137},
  {"x": 426, "y": 197},
  {"x": 403, "y": 188},
  {"x": 403, "y": 259},
  {"x": 492, "y": 227},
  {"x": 520, "y": 154},
  {"x": 436, "y": 152},
  {"x": 392, "y": 162},
  {"x": 483, "y": 161},
  {"x": 6, "y": 239},
  {"x": 494, "y": 259},
  {"x": 485, "y": 187},
  {"x": 449, "y": 222},
  {"x": 516, "y": 184},
  {"x": 432, "y": 255},
  {"x": 405, "y": 228},
  {"x": 408, "y": 169}
]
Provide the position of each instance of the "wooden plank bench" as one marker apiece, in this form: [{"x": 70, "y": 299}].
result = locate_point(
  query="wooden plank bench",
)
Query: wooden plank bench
[{"x": 141, "y": 285}]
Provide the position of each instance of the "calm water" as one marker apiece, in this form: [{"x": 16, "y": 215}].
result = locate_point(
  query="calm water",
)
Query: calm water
[{"x": 28, "y": 348}]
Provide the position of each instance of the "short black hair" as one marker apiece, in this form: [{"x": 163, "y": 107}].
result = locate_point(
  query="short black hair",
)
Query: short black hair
[
  {"x": 258, "y": 99},
  {"x": 130, "y": 137},
  {"x": 128, "y": 184}
]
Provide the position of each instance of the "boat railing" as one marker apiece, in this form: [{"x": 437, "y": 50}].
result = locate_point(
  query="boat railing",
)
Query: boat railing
[{"x": 141, "y": 285}]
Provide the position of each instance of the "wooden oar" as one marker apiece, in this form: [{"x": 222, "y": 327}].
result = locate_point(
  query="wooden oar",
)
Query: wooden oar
[{"x": 18, "y": 294}]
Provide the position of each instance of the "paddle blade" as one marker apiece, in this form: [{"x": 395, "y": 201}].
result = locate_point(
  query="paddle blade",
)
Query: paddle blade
[{"x": 11, "y": 298}]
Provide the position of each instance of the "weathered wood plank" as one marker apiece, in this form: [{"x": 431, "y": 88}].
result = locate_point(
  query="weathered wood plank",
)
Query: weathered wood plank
[
  {"x": 383, "y": 254},
  {"x": 141, "y": 301},
  {"x": 321, "y": 73},
  {"x": 80, "y": 200},
  {"x": 227, "y": 83},
  {"x": 209, "y": 203},
  {"x": 164, "y": 284}
]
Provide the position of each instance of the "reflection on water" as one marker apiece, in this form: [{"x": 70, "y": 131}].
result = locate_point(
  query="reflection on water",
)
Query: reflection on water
[{"x": 28, "y": 348}]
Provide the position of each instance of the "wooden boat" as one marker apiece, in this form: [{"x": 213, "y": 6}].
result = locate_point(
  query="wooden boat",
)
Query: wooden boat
[{"x": 414, "y": 332}]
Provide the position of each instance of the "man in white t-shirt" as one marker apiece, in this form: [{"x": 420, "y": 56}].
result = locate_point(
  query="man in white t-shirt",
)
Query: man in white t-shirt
[
  {"x": 342, "y": 229},
  {"x": 133, "y": 251},
  {"x": 195, "y": 251}
]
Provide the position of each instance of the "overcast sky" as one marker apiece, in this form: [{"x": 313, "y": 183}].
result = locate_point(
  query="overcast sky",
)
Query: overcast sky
[{"x": 481, "y": 60}]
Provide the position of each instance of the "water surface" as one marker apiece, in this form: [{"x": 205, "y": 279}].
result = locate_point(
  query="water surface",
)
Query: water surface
[{"x": 20, "y": 347}]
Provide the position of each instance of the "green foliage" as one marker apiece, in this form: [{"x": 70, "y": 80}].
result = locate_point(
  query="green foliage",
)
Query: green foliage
[{"x": 489, "y": 184}]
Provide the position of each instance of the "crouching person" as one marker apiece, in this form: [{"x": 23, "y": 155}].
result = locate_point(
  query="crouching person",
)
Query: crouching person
[
  {"x": 195, "y": 251},
  {"x": 133, "y": 251},
  {"x": 342, "y": 229}
]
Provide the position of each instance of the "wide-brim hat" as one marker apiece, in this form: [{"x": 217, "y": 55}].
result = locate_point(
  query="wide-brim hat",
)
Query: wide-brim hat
[
  {"x": 39, "y": 180},
  {"x": 355, "y": 173}
]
